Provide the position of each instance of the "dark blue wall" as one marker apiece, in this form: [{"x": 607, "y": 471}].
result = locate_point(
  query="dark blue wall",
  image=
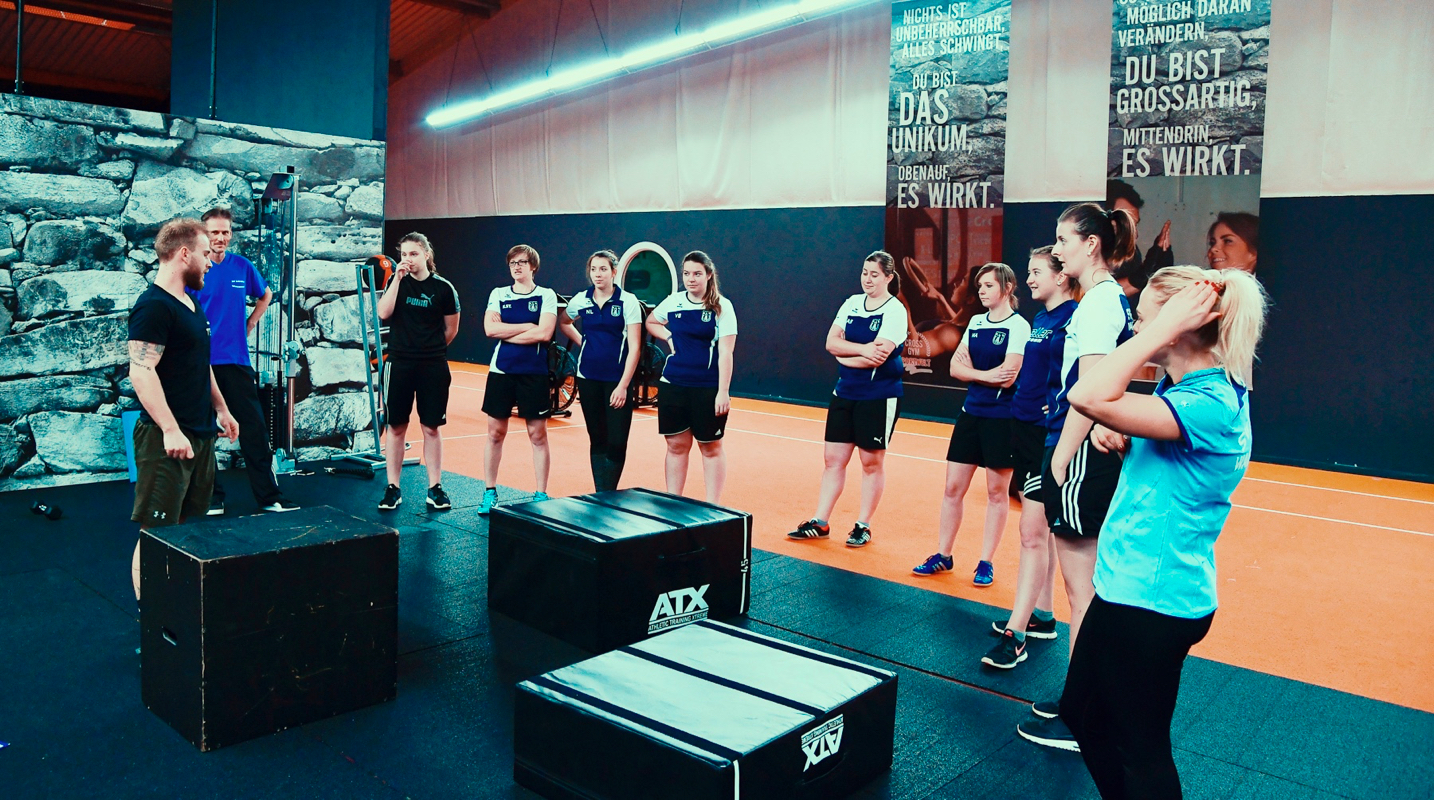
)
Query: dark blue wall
[
  {"x": 308, "y": 65},
  {"x": 1345, "y": 380}
]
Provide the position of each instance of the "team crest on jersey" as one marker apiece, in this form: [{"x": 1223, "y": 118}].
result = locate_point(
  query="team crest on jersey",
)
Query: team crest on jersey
[
  {"x": 532, "y": 305},
  {"x": 876, "y": 323},
  {"x": 616, "y": 312},
  {"x": 999, "y": 338},
  {"x": 706, "y": 316}
]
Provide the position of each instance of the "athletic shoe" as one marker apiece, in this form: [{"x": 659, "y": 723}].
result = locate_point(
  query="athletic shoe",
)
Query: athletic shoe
[
  {"x": 810, "y": 530},
  {"x": 280, "y": 506},
  {"x": 490, "y": 499},
  {"x": 392, "y": 498},
  {"x": 540, "y": 496},
  {"x": 1006, "y": 654},
  {"x": 216, "y": 508},
  {"x": 859, "y": 536},
  {"x": 438, "y": 499},
  {"x": 936, "y": 563},
  {"x": 1035, "y": 628},
  {"x": 985, "y": 574},
  {"x": 1048, "y": 733},
  {"x": 1046, "y": 709}
]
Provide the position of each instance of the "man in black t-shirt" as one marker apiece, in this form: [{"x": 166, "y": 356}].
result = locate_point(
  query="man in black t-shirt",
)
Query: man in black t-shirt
[
  {"x": 169, "y": 367},
  {"x": 422, "y": 313}
]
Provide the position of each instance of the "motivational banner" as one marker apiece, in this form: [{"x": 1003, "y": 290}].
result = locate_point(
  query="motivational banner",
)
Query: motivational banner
[
  {"x": 1186, "y": 139},
  {"x": 945, "y": 167}
]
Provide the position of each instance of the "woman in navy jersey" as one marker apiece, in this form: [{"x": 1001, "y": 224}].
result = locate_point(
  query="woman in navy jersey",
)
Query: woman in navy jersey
[
  {"x": 522, "y": 318},
  {"x": 988, "y": 361},
  {"x": 1031, "y": 614},
  {"x": 1078, "y": 478},
  {"x": 700, "y": 326},
  {"x": 867, "y": 338},
  {"x": 609, "y": 347}
]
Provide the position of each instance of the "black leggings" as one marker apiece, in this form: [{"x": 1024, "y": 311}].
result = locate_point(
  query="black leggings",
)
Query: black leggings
[
  {"x": 1120, "y": 696},
  {"x": 608, "y": 428}
]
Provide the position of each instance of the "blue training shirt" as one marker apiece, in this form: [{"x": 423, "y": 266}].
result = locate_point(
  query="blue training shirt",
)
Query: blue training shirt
[
  {"x": 603, "y": 355},
  {"x": 1035, "y": 390},
  {"x": 860, "y": 326},
  {"x": 1157, "y": 548},
  {"x": 695, "y": 332},
  {"x": 989, "y": 342},
  {"x": 517, "y": 309},
  {"x": 1100, "y": 323},
  {"x": 227, "y": 286}
]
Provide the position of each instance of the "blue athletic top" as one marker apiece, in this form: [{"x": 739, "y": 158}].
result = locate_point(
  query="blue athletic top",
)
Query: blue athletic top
[
  {"x": 516, "y": 309},
  {"x": 226, "y": 286},
  {"x": 860, "y": 326},
  {"x": 695, "y": 332},
  {"x": 1100, "y": 323},
  {"x": 603, "y": 355},
  {"x": 1035, "y": 388},
  {"x": 1157, "y": 548},
  {"x": 989, "y": 343}
]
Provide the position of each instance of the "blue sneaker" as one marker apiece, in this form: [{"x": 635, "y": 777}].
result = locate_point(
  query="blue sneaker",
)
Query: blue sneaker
[
  {"x": 985, "y": 574},
  {"x": 540, "y": 496},
  {"x": 936, "y": 563},
  {"x": 490, "y": 499}
]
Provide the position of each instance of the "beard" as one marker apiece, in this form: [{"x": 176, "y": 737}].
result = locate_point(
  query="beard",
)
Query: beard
[{"x": 194, "y": 277}]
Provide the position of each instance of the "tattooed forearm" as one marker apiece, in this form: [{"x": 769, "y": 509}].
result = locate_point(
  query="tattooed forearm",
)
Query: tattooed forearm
[{"x": 144, "y": 355}]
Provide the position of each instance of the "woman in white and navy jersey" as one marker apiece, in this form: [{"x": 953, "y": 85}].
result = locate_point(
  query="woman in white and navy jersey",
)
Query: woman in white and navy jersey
[
  {"x": 867, "y": 338},
  {"x": 988, "y": 361},
  {"x": 609, "y": 346},
  {"x": 1031, "y": 613},
  {"x": 1079, "y": 478},
  {"x": 700, "y": 326},
  {"x": 522, "y": 317}
]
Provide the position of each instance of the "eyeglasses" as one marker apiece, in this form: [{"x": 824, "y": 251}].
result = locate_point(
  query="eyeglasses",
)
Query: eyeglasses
[{"x": 520, "y": 262}]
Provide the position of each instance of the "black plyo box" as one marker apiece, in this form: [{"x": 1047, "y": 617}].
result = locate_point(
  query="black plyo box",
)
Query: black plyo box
[
  {"x": 251, "y": 625},
  {"x": 603, "y": 570},
  {"x": 703, "y": 712}
]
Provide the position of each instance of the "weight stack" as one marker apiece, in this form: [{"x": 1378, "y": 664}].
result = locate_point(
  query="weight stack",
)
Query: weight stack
[
  {"x": 603, "y": 570},
  {"x": 251, "y": 625},
  {"x": 704, "y": 712}
]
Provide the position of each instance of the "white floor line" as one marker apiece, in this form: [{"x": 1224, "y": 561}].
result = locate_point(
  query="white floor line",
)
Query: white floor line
[
  {"x": 814, "y": 441},
  {"x": 823, "y": 422},
  {"x": 1343, "y": 491},
  {"x": 1331, "y": 519}
]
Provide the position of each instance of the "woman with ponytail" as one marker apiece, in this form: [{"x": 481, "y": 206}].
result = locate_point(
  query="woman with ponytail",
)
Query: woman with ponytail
[
  {"x": 866, "y": 338},
  {"x": 700, "y": 326},
  {"x": 1155, "y": 580}
]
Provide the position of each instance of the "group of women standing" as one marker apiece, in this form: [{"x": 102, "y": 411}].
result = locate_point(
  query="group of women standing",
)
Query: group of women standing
[{"x": 698, "y": 324}]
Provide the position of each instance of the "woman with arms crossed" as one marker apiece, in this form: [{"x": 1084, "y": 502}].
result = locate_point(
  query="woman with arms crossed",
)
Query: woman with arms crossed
[
  {"x": 611, "y": 343},
  {"x": 700, "y": 326},
  {"x": 867, "y": 338}
]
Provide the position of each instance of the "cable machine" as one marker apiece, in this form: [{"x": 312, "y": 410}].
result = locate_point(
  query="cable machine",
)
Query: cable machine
[{"x": 276, "y": 344}]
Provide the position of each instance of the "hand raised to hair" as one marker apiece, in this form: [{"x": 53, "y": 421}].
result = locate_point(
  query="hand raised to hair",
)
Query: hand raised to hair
[{"x": 1190, "y": 309}]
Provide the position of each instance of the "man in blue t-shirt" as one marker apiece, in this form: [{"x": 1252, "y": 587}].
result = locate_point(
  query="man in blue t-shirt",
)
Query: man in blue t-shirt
[{"x": 231, "y": 281}]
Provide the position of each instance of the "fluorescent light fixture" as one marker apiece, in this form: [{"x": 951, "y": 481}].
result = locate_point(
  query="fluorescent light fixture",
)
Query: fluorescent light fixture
[{"x": 718, "y": 35}]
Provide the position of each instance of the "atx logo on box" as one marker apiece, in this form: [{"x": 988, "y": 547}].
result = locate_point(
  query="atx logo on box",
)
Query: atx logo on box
[
  {"x": 823, "y": 741},
  {"x": 678, "y": 607}
]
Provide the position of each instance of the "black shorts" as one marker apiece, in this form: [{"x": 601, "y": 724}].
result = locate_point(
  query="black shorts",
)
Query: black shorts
[
  {"x": 689, "y": 408},
  {"x": 1077, "y": 508},
  {"x": 1028, "y": 442},
  {"x": 530, "y": 393},
  {"x": 169, "y": 490},
  {"x": 425, "y": 380},
  {"x": 868, "y": 424},
  {"x": 983, "y": 441}
]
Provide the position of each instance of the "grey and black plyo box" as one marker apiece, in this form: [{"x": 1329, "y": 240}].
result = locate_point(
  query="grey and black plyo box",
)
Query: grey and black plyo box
[
  {"x": 704, "y": 712},
  {"x": 251, "y": 625},
  {"x": 603, "y": 570}
]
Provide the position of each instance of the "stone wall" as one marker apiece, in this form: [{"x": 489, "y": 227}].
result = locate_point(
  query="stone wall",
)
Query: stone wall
[{"x": 83, "y": 189}]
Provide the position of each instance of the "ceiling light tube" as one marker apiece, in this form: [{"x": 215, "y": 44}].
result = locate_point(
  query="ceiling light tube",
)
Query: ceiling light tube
[{"x": 567, "y": 80}]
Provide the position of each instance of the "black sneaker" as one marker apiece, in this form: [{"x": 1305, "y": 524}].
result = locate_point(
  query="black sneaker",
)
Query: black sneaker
[
  {"x": 1035, "y": 629},
  {"x": 280, "y": 506},
  {"x": 216, "y": 508},
  {"x": 1046, "y": 709},
  {"x": 1048, "y": 733},
  {"x": 1006, "y": 654},
  {"x": 859, "y": 536},
  {"x": 438, "y": 499},
  {"x": 810, "y": 530},
  {"x": 392, "y": 498}
]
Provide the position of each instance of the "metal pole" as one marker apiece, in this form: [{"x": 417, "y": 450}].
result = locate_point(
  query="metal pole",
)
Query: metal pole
[
  {"x": 19, "y": 44},
  {"x": 291, "y": 287},
  {"x": 213, "y": 52}
]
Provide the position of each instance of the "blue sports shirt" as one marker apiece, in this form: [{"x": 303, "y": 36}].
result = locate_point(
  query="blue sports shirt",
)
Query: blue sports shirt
[
  {"x": 989, "y": 343},
  {"x": 695, "y": 332},
  {"x": 1100, "y": 323},
  {"x": 603, "y": 354},
  {"x": 860, "y": 326},
  {"x": 1157, "y": 548},
  {"x": 517, "y": 309},
  {"x": 227, "y": 285},
  {"x": 1035, "y": 389}
]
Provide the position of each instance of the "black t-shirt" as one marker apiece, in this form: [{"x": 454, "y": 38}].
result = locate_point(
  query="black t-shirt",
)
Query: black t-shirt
[
  {"x": 415, "y": 331},
  {"x": 183, "y": 369}
]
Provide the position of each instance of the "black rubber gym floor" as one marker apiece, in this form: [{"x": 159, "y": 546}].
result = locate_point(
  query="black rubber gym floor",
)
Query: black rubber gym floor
[{"x": 71, "y": 714}]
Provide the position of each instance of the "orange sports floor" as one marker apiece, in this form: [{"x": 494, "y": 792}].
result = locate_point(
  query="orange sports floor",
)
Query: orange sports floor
[{"x": 1325, "y": 577}]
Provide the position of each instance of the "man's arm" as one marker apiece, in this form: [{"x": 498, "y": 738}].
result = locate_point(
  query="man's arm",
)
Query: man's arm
[
  {"x": 227, "y": 423},
  {"x": 143, "y": 359},
  {"x": 260, "y": 306}
]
